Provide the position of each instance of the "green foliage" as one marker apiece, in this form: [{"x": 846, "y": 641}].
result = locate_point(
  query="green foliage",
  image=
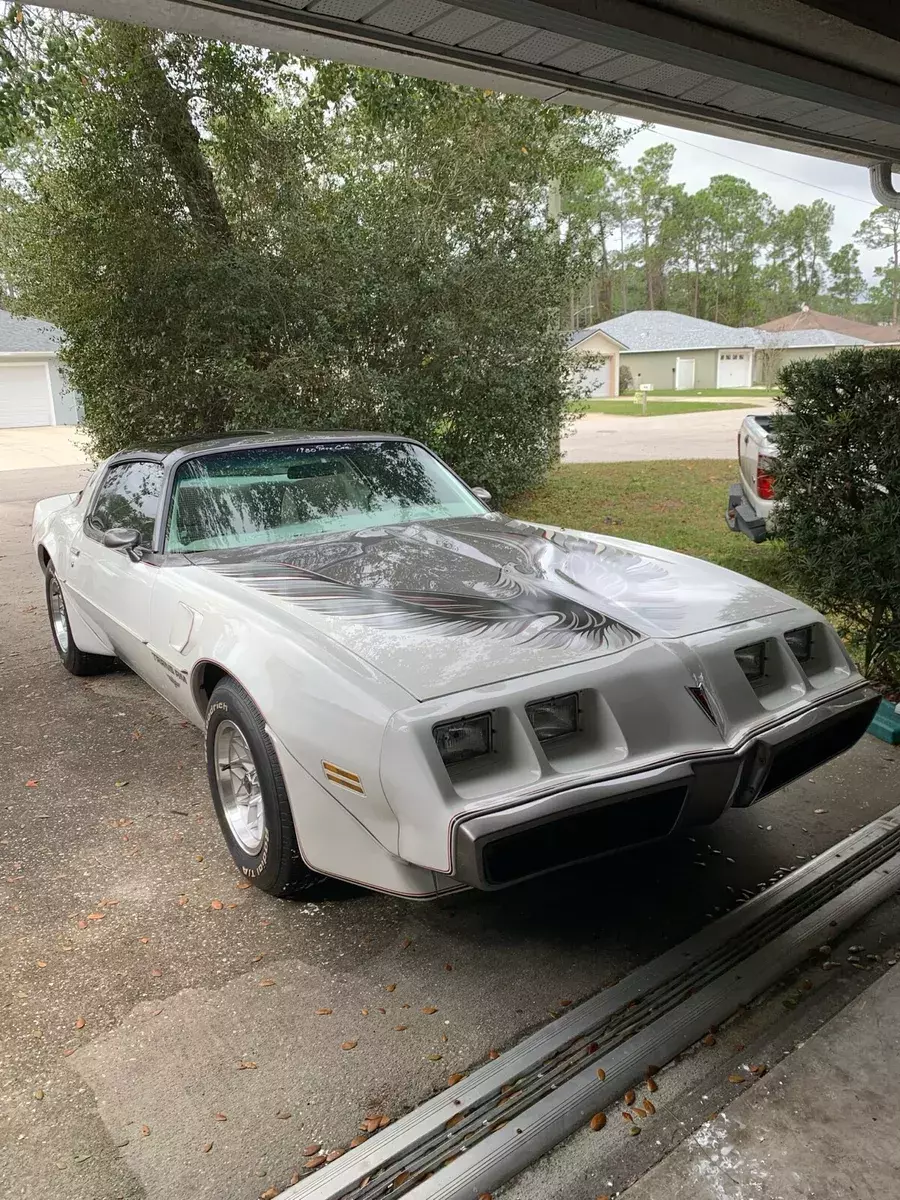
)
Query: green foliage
[
  {"x": 837, "y": 477},
  {"x": 230, "y": 238}
]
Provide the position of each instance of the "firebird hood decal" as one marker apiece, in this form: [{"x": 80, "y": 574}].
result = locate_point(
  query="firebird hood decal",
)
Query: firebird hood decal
[
  {"x": 512, "y": 598},
  {"x": 520, "y": 609}
]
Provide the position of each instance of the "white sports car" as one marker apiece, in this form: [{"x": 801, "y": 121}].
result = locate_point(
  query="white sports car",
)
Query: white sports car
[{"x": 402, "y": 688}]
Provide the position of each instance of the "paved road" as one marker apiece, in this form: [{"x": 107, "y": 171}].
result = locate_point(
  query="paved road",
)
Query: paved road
[
  {"x": 597, "y": 437},
  {"x": 119, "y": 826}
]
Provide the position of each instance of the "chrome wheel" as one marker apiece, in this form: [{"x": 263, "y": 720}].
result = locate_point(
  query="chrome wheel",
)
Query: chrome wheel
[
  {"x": 58, "y": 616},
  {"x": 239, "y": 789}
]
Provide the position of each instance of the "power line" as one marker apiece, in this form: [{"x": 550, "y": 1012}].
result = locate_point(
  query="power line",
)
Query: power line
[{"x": 753, "y": 167}]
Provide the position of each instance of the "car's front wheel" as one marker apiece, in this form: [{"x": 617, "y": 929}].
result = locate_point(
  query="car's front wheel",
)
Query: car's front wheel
[
  {"x": 74, "y": 660},
  {"x": 250, "y": 797}
]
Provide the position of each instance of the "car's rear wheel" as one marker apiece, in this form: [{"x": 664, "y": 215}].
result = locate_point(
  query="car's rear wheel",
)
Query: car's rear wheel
[
  {"x": 74, "y": 660},
  {"x": 250, "y": 797}
]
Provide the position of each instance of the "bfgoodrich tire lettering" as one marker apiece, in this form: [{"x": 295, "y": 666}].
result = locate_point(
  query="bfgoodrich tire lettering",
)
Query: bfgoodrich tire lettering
[{"x": 273, "y": 862}]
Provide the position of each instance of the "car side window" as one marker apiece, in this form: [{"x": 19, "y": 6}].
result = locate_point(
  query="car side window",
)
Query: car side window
[{"x": 128, "y": 498}]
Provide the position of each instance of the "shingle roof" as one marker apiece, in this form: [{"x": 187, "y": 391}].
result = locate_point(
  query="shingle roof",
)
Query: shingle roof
[
  {"x": 810, "y": 319},
  {"x": 19, "y": 334},
  {"x": 650, "y": 330}
]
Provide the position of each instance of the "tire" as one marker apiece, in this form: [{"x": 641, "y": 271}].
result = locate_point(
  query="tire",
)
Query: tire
[
  {"x": 252, "y": 804},
  {"x": 74, "y": 660}
]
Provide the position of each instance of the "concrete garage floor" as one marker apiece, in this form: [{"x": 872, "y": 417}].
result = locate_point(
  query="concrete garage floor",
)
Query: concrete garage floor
[{"x": 128, "y": 1003}]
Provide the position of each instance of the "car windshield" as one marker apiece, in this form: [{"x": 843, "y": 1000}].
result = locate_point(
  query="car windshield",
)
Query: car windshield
[{"x": 274, "y": 493}]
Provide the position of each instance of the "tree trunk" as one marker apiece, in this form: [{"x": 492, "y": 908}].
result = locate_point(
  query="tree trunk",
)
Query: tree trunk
[{"x": 168, "y": 124}]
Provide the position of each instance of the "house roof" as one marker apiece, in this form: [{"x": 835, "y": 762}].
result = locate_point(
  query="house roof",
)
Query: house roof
[
  {"x": 20, "y": 335},
  {"x": 655, "y": 330},
  {"x": 808, "y": 318}
]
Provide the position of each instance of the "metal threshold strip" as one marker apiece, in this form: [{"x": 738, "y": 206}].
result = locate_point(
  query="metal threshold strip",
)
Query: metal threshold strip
[{"x": 482, "y": 1131}]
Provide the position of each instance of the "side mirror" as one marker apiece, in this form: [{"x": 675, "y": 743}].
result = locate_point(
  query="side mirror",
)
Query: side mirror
[
  {"x": 482, "y": 494},
  {"x": 124, "y": 539}
]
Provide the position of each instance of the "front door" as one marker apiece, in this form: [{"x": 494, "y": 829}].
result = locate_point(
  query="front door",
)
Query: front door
[
  {"x": 112, "y": 589},
  {"x": 684, "y": 372}
]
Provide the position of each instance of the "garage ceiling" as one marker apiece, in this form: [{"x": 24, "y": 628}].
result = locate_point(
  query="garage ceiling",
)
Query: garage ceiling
[{"x": 818, "y": 76}]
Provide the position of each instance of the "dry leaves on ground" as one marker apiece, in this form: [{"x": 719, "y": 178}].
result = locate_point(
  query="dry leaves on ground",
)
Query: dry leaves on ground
[
  {"x": 216, "y": 904},
  {"x": 429, "y": 1010},
  {"x": 598, "y": 1120},
  {"x": 349, "y": 1045}
]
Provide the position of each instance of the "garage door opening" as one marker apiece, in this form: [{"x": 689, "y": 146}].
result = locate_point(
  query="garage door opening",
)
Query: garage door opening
[{"x": 25, "y": 397}]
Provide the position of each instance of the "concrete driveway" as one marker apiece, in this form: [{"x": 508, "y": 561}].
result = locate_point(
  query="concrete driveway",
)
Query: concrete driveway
[
  {"x": 40, "y": 446},
  {"x": 597, "y": 437},
  {"x": 157, "y": 1044}
]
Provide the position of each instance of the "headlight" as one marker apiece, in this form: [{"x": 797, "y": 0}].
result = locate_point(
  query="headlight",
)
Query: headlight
[
  {"x": 466, "y": 737},
  {"x": 554, "y": 717},
  {"x": 800, "y": 642},
  {"x": 752, "y": 660}
]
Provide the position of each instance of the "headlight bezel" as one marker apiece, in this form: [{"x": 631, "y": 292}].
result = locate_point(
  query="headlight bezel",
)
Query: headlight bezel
[
  {"x": 570, "y": 728},
  {"x": 808, "y": 633},
  {"x": 453, "y": 758},
  {"x": 759, "y": 652}
]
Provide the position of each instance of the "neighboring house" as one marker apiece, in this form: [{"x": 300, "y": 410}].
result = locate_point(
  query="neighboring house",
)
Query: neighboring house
[
  {"x": 602, "y": 380},
  {"x": 808, "y": 318},
  {"x": 33, "y": 390},
  {"x": 671, "y": 350}
]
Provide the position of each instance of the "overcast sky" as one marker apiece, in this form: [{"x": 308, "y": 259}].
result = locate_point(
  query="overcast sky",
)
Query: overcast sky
[{"x": 698, "y": 157}]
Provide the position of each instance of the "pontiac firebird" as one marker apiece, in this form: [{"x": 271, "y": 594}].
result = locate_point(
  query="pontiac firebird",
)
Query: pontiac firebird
[{"x": 403, "y": 688}]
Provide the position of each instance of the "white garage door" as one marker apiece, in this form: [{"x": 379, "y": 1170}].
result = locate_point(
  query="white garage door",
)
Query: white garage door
[
  {"x": 596, "y": 380},
  {"x": 734, "y": 368},
  {"x": 24, "y": 395}
]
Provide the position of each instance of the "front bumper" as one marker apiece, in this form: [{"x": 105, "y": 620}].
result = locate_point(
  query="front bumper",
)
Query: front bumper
[{"x": 496, "y": 849}]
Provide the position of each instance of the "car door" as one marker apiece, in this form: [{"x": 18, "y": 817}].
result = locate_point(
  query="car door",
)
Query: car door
[{"x": 112, "y": 587}]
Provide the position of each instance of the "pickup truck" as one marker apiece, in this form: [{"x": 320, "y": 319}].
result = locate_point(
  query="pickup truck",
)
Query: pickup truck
[{"x": 750, "y": 502}]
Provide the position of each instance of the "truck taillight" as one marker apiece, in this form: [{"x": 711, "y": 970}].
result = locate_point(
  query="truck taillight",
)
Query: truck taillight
[{"x": 764, "y": 484}]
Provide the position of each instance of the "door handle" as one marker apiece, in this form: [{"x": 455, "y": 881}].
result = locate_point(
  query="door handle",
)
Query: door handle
[{"x": 75, "y": 553}]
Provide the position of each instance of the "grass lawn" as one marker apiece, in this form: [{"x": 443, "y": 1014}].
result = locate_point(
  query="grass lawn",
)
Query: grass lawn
[
  {"x": 676, "y": 504},
  {"x": 757, "y": 393},
  {"x": 656, "y": 408}
]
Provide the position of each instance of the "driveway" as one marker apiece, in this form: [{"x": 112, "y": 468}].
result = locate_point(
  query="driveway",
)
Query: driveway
[
  {"x": 597, "y": 437},
  {"x": 157, "y": 1043},
  {"x": 40, "y": 446}
]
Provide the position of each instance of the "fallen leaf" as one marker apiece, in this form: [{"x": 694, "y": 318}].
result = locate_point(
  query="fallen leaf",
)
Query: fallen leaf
[
  {"x": 316, "y": 1161},
  {"x": 406, "y": 943},
  {"x": 401, "y": 1179},
  {"x": 96, "y": 916},
  {"x": 311, "y": 1150},
  {"x": 38, "y": 1094},
  {"x": 333, "y": 1154},
  {"x": 182, "y": 901},
  {"x": 243, "y": 883},
  {"x": 216, "y": 904},
  {"x": 709, "y": 1040},
  {"x": 31, "y": 783},
  {"x": 82, "y": 924},
  {"x": 121, "y": 783},
  {"x": 207, "y": 1147},
  {"x": 435, "y": 1057},
  {"x": 633, "y": 1130},
  {"x": 448, "y": 966},
  {"x": 80, "y": 1023},
  {"x": 144, "y": 941},
  {"x": 455, "y": 1078},
  {"x": 156, "y": 973},
  {"x": 601, "y": 1074},
  {"x": 649, "y": 1106},
  {"x": 267, "y": 983},
  {"x": 269, "y": 1193},
  {"x": 402, "y": 1006},
  {"x": 493, "y": 1053},
  {"x": 364, "y": 1011},
  {"x": 198, "y": 858},
  {"x": 818, "y": 811},
  {"x": 735, "y": 1078},
  {"x": 320, "y": 1012},
  {"x": 444, "y": 1038},
  {"x": 222, "y": 1117},
  {"x": 383, "y": 1122},
  {"x": 758, "y": 1069},
  {"x": 390, "y": 987},
  {"x": 652, "y": 1085},
  {"x": 640, "y": 1111},
  {"x": 41, "y": 964},
  {"x": 592, "y": 1048},
  {"x": 564, "y": 1003},
  {"x": 358, "y": 1140},
  {"x": 454, "y": 1120},
  {"x": 284, "y": 1116},
  {"x": 400, "y": 1028},
  {"x": 629, "y": 1097},
  {"x": 69, "y": 1051},
  {"x": 429, "y": 1009},
  {"x": 294, "y": 1179},
  {"x": 145, "y": 1131},
  {"x": 246, "y": 1064},
  {"x": 626, "y": 1116},
  {"x": 598, "y": 1120},
  {"x": 384, "y": 1010},
  {"x": 485, "y": 1196},
  {"x": 349, "y": 1045}
]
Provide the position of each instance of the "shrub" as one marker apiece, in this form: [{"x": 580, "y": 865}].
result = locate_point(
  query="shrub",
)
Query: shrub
[
  {"x": 626, "y": 379},
  {"x": 837, "y": 478}
]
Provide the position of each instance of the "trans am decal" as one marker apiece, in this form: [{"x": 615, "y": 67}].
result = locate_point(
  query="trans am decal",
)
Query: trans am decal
[{"x": 516, "y": 607}]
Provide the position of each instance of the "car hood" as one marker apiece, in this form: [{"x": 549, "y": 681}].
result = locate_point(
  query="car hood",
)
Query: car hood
[{"x": 440, "y": 606}]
